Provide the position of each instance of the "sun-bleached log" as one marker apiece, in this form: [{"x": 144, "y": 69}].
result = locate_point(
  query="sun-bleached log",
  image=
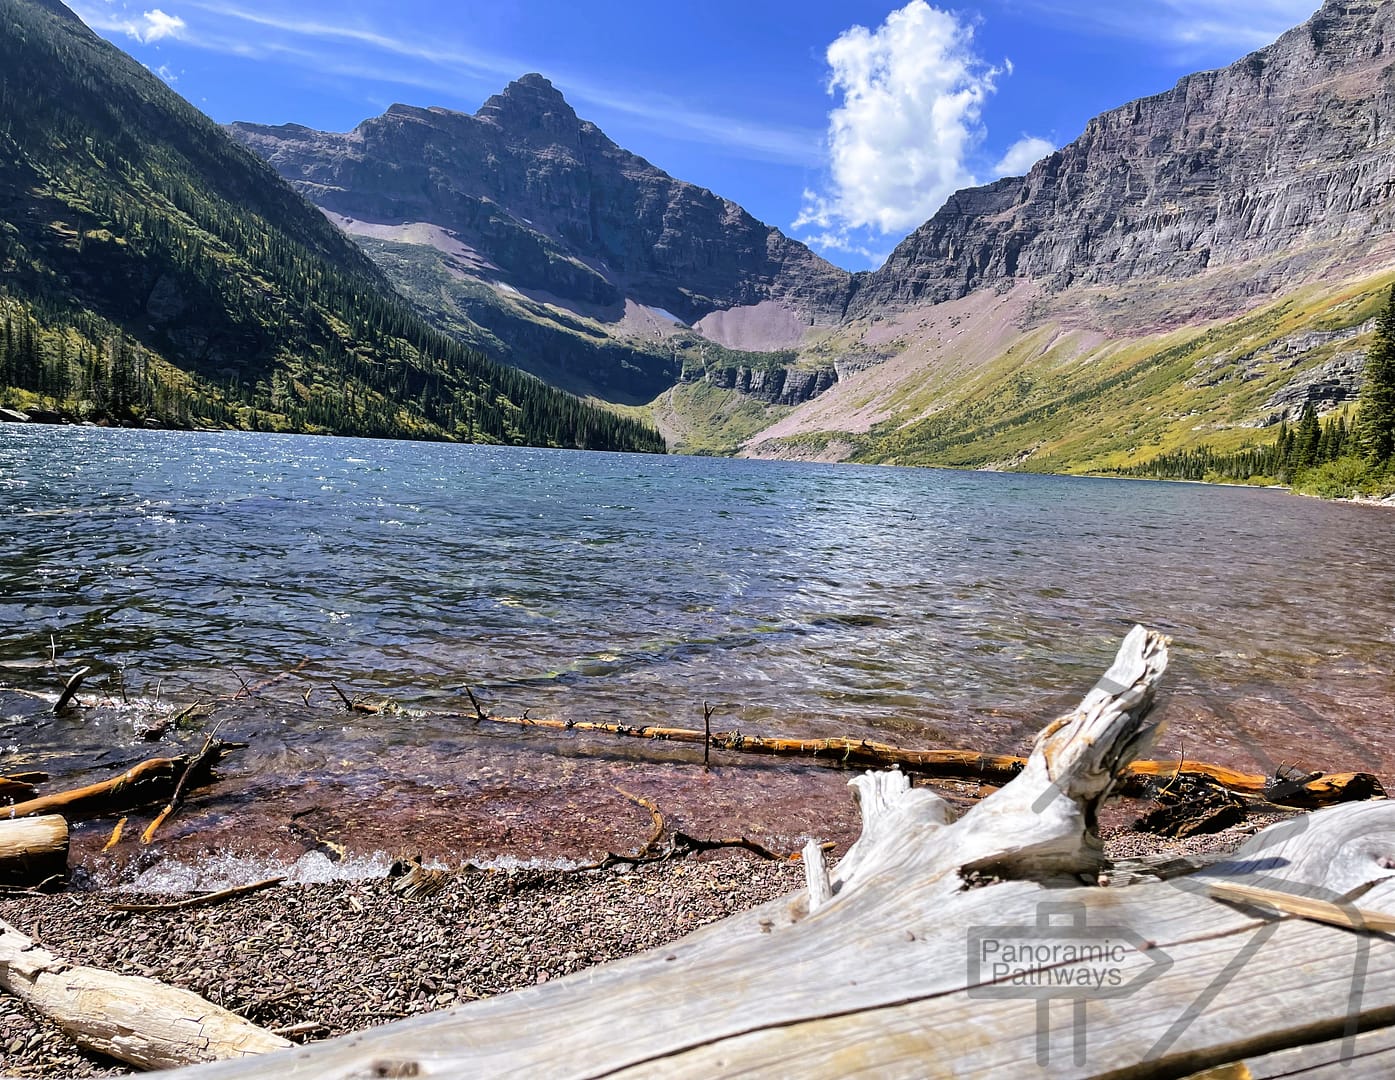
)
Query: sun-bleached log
[
  {"x": 128, "y": 1017},
  {"x": 887, "y": 969},
  {"x": 33, "y": 850}
]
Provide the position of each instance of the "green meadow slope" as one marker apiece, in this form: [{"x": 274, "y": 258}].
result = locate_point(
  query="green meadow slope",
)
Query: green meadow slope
[{"x": 1058, "y": 394}]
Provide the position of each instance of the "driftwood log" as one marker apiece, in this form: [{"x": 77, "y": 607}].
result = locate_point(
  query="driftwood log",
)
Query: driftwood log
[
  {"x": 33, "y": 850},
  {"x": 129, "y": 1017},
  {"x": 1141, "y": 778},
  {"x": 941, "y": 948},
  {"x": 149, "y": 783}
]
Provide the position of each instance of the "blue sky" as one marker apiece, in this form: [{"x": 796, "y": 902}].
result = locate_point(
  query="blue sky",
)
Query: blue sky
[{"x": 844, "y": 122}]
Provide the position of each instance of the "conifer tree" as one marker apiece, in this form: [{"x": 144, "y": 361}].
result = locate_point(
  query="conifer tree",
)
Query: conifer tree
[
  {"x": 1376, "y": 421},
  {"x": 1309, "y": 441}
]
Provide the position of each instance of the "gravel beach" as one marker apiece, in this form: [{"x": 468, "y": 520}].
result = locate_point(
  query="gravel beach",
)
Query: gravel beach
[
  {"x": 326, "y": 959},
  {"x": 344, "y": 957}
]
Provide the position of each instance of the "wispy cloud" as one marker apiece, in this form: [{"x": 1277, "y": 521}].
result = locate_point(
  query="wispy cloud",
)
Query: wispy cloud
[
  {"x": 318, "y": 43},
  {"x": 1188, "y": 26}
]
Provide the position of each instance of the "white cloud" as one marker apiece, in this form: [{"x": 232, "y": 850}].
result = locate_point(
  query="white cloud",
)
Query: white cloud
[
  {"x": 910, "y": 117},
  {"x": 157, "y": 25},
  {"x": 1022, "y": 155},
  {"x": 149, "y": 27}
]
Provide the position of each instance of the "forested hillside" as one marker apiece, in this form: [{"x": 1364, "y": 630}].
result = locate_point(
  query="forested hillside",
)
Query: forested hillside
[{"x": 153, "y": 271}]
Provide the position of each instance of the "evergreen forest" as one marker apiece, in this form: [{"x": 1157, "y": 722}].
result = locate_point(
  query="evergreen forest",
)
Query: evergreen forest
[{"x": 152, "y": 272}]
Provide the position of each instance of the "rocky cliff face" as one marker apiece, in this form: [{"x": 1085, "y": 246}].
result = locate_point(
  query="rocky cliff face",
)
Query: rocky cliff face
[
  {"x": 547, "y": 202},
  {"x": 1280, "y": 162},
  {"x": 774, "y": 386}
]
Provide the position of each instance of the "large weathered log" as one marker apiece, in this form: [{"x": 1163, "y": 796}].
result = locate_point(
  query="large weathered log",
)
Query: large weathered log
[
  {"x": 33, "y": 850},
  {"x": 128, "y": 1017},
  {"x": 150, "y": 783},
  {"x": 892, "y": 973}
]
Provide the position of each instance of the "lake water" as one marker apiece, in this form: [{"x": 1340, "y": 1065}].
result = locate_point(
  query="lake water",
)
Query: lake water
[{"x": 915, "y": 606}]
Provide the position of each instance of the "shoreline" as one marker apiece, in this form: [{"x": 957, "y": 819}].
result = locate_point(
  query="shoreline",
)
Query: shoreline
[
  {"x": 317, "y": 961},
  {"x": 1355, "y": 500},
  {"x": 56, "y": 420}
]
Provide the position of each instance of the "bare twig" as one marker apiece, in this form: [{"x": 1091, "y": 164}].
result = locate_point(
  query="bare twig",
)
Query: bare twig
[
  {"x": 479, "y": 713},
  {"x": 201, "y": 901},
  {"x": 69, "y": 691},
  {"x": 679, "y": 847},
  {"x": 43, "y": 888},
  {"x": 246, "y": 690},
  {"x": 655, "y": 817},
  {"x": 1181, "y": 760},
  {"x": 210, "y": 751}
]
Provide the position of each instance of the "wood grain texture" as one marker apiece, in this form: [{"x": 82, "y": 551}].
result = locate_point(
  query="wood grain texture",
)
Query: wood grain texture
[
  {"x": 893, "y": 974},
  {"x": 128, "y": 1017}
]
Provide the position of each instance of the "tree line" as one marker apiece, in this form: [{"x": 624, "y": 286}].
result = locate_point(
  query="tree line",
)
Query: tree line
[
  {"x": 152, "y": 271},
  {"x": 1337, "y": 456}
]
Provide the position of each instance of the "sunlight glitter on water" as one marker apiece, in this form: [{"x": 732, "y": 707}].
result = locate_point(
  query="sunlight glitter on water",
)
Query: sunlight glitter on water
[{"x": 914, "y": 606}]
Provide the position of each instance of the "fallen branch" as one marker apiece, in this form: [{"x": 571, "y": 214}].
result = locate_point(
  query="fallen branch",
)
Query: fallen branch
[
  {"x": 146, "y": 784},
  {"x": 1141, "y": 779},
  {"x": 205, "y": 900},
  {"x": 680, "y": 845},
  {"x": 128, "y": 1017},
  {"x": 13, "y": 790},
  {"x": 29, "y": 777},
  {"x": 115, "y": 835},
  {"x": 200, "y": 764}
]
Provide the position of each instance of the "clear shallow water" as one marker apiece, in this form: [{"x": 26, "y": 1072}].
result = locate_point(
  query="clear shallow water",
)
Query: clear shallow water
[{"x": 917, "y": 606}]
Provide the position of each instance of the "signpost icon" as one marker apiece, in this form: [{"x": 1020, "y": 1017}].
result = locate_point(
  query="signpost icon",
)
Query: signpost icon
[{"x": 1061, "y": 958}]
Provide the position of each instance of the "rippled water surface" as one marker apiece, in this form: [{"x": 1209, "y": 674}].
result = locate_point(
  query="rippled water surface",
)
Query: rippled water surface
[{"x": 918, "y": 606}]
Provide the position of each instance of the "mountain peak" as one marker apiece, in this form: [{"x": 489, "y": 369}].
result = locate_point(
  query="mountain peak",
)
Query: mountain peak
[
  {"x": 531, "y": 97},
  {"x": 535, "y": 83}
]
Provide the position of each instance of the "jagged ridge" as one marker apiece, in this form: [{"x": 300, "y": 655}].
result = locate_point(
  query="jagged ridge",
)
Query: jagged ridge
[
  {"x": 552, "y": 202},
  {"x": 129, "y": 220}
]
